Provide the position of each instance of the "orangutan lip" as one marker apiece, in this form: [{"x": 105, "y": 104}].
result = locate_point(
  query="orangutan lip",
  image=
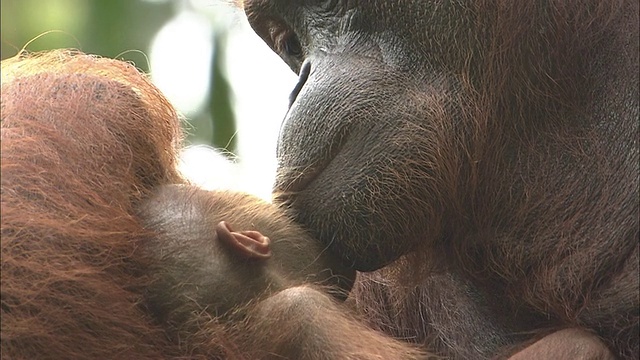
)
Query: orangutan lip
[
  {"x": 302, "y": 181},
  {"x": 302, "y": 79},
  {"x": 298, "y": 182}
]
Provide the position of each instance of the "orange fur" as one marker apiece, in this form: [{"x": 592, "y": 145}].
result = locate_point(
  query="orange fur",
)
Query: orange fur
[{"x": 83, "y": 140}]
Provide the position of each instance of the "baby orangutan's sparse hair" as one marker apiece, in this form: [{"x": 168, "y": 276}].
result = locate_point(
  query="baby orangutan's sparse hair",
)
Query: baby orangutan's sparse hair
[{"x": 217, "y": 251}]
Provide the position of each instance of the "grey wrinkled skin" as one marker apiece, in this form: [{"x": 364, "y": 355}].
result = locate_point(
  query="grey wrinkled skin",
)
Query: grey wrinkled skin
[{"x": 357, "y": 128}]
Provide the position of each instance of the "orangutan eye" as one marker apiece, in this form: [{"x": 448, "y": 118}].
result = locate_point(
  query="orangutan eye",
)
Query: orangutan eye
[{"x": 292, "y": 47}]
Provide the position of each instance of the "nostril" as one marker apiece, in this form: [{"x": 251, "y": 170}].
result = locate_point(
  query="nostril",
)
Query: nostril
[{"x": 302, "y": 79}]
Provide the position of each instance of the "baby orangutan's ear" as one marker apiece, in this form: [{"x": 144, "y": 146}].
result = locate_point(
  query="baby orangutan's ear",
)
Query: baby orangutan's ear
[{"x": 248, "y": 244}]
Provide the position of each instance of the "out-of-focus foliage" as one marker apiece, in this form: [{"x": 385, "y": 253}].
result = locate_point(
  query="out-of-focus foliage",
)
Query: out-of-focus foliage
[
  {"x": 219, "y": 104},
  {"x": 120, "y": 29}
]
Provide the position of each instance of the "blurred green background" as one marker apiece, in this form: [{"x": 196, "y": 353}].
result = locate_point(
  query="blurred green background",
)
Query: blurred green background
[{"x": 125, "y": 29}]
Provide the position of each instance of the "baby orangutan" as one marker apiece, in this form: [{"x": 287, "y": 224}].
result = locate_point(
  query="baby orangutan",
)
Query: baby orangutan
[
  {"x": 225, "y": 260},
  {"x": 203, "y": 264}
]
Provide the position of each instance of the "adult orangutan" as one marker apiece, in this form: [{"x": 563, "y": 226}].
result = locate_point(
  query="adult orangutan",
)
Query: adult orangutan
[
  {"x": 481, "y": 155},
  {"x": 103, "y": 259}
]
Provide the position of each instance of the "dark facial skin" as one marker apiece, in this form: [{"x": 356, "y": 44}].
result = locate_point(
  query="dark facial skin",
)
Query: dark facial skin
[
  {"x": 201, "y": 262},
  {"x": 493, "y": 142},
  {"x": 350, "y": 137}
]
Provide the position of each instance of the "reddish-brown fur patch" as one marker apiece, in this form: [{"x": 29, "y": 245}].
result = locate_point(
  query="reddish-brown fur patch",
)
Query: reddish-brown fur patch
[{"x": 83, "y": 140}]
